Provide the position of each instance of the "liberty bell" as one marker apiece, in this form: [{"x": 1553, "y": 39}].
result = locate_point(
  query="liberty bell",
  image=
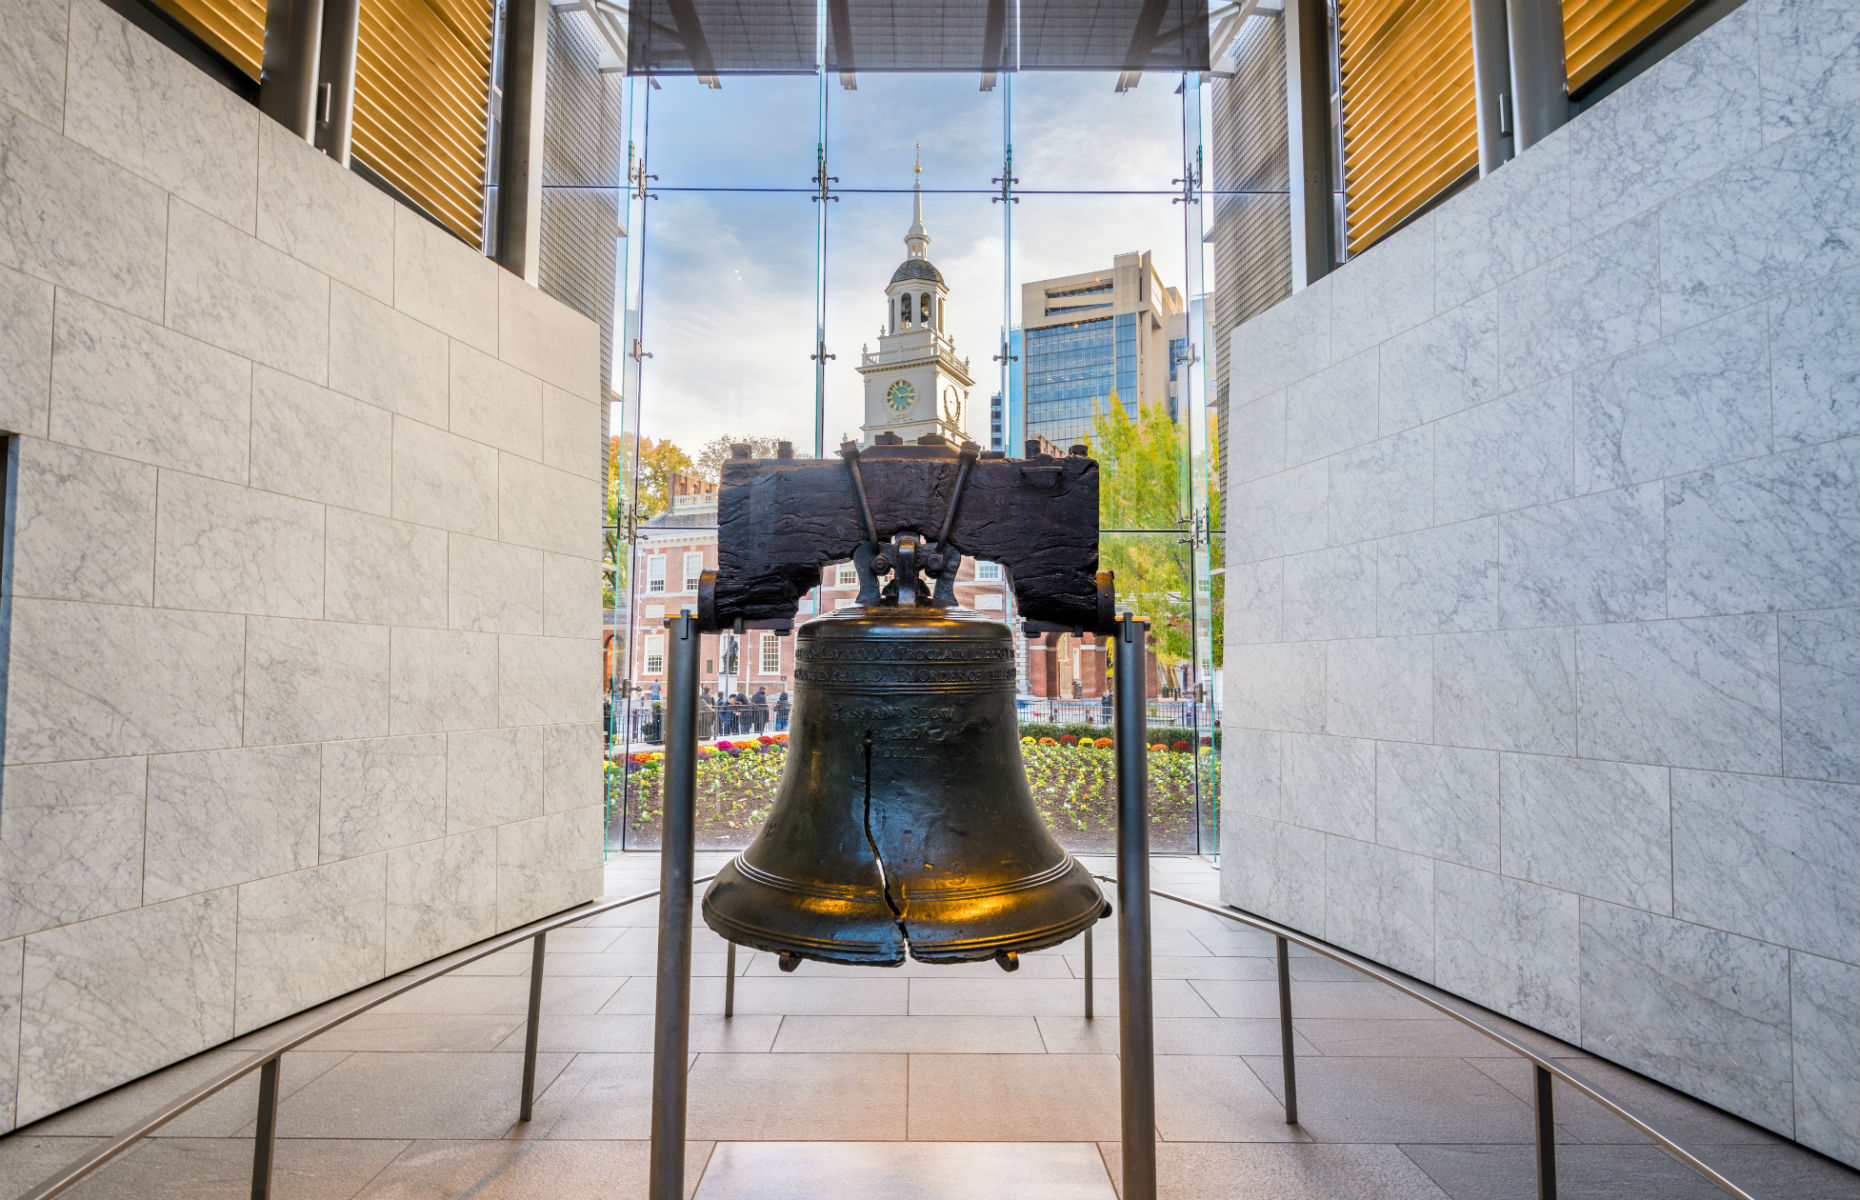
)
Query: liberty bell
[{"x": 903, "y": 821}]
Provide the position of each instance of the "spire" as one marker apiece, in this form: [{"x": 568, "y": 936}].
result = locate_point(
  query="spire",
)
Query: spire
[{"x": 915, "y": 239}]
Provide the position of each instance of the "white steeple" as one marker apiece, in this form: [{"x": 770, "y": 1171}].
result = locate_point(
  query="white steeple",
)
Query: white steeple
[{"x": 916, "y": 241}]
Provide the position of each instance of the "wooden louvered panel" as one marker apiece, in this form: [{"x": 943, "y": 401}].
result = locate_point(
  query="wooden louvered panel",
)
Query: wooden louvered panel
[
  {"x": 234, "y": 28},
  {"x": 1597, "y": 32},
  {"x": 422, "y": 87},
  {"x": 1410, "y": 126}
]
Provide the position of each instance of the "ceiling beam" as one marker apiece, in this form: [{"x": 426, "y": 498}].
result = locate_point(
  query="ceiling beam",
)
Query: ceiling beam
[
  {"x": 1142, "y": 41},
  {"x": 691, "y": 36}
]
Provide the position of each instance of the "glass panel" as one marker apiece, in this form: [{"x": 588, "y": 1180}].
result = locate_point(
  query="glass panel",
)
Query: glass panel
[
  {"x": 749, "y": 133},
  {"x": 874, "y": 133},
  {"x": 1076, "y": 132}
]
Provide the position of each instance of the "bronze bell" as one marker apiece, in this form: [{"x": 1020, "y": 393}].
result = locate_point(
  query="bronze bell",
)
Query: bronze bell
[{"x": 903, "y": 819}]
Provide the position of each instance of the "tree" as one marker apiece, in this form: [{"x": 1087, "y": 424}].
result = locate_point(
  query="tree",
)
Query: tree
[
  {"x": 659, "y": 462},
  {"x": 716, "y": 452}
]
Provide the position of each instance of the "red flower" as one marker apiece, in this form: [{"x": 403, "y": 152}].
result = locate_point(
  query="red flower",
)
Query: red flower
[
  {"x": 726, "y": 745},
  {"x": 766, "y": 740},
  {"x": 1179, "y": 746},
  {"x": 1066, "y": 739}
]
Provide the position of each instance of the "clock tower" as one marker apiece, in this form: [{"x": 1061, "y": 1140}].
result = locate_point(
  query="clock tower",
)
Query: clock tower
[{"x": 914, "y": 383}]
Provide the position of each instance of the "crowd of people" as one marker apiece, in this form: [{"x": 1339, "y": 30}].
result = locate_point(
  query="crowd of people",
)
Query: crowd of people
[{"x": 724, "y": 716}]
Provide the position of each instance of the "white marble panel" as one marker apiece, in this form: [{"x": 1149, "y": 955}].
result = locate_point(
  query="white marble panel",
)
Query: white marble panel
[
  {"x": 386, "y": 358},
  {"x": 1376, "y": 296},
  {"x": 1701, "y": 693},
  {"x": 84, "y": 525},
  {"x": 1280, "y": 514},
  {"x": 311, "y": 681},
  {"x": 1282, "y": 345},
  {"x": 1380, "y": 903},
  {"x": 1687, "y": 117},
  {"x": 546, "y": 508},
  {"x": 1775, "y": 859},
  {"x": 227, "y": 548},
  {"x": 381, "y": 793},
  {"x": 1693, "y": 400},
  {"x": 571, "y": 438},
  {"x": 94, "y": 681},
  {"x": 1255, "y": 599},
  {"x": 1381, "y": 688},
  {"x": 1252, "y": 772},
  {"x": 383, "y": 571},
  {"x": 440, "y": 895},
  {"x": 25, "y": 350},
  {"x": 1585, "y": 561},
  {"x": 445, "y": 480},
  {"x": 495, "y": 403},
  {"x": 32, "y": 80},
  {"x": 493, "y": 776},
  {"x": 545, "y": 337},
  {"x": 571, "y": 596},
  {"x": 12, "y": 972},
  {"x": 1555, "y": 808},
  {"x": 442, "y": 680},
  {"x": 1815, "y": 361},
  {"x": 1330, "y": 593},
  {"x": 70, "y": 842},
  {"x": 320, "y": 214},
  {"x": 1507, "y": 691},
  {"x": 308, "y": 936},
  {"x": 1705, "y": 1011},
  {"x": 442, "y": 282},
  {"x": 1255, "y": 438},
  {"x": 228, "y": 288},
  {"x": 1778, "y": 533},
  {"x": 1600, "y": 298},
  {"x": 572, "y": 766},
  {"x": 1821, "y": 694},
  {"x": 142, "y": 106},
  {"x": 1808, "y": 54},
  {"x": 1506, "y": 454},
  {"x": 1785, "y": 215},
  {"x": 227, "y": 816},
  {"x": 1329, "y": 783},
  {"x": 1273, "y": 870},
  {"x": 1824, "y": 1002},
  {"x": 1438, "y": 580},
  {"x": 108, "y": 1000},
  {"x": 495, "y": 587},
  {"x": 1441, "y": 365},
  {"x": 80, "y": 221},
  {"x": 1511, "y": 946},
  {"x": 1333, "y": 410},
  {"x": 547, "y": 864},
  {"x": 1504, "y": 225},
  {"x": 1383, "y": 488},
  {"x": 123, "y": 386},
  {"x": 548, "y": 681},
  {"x": 1276, "y": 686},
  {"x": 1438, "y": 801},
  {"x": 320, "y": 445}
]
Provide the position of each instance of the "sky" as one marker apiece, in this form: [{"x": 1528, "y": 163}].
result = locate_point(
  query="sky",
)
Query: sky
[{"x": 728, "y": 282}]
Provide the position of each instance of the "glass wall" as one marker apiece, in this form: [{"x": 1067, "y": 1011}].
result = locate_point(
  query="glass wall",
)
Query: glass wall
[{"x": 767, "y": 217}]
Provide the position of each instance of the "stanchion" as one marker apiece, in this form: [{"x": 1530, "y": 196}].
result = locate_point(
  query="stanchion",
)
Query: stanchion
[
  {"x": 1136, "y": 1024},
  {"x": 671, "y": 1036}
]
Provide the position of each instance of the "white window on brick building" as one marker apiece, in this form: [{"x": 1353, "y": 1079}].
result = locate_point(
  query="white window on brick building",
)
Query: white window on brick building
[
  {"x": 848, "y": 575},
  {"x": 694, "y": 566},
  {"x": 987, "y": 572},
  {"x": 655, "y": 572},
  {"x": 655, "y": 654},
  {"x": 770, "y": 663}
]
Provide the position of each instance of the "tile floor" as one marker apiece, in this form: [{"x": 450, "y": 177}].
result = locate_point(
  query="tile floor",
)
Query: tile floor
[{"x": 924, "y": 1083}]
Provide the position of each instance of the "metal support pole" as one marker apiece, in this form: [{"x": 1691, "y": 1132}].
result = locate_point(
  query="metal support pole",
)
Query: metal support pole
[
  {"x": 1136, "y": 1023},
  {"x": 288, "y": 77},
  {"x": 1285, "y": 1034},
  {"x": 1539, "y": 82},
  {"x": 265, "y": 1138},
  {"x": 520, "y": 139},
  {"x": 671, "y": 1037},
  {"x": 534, "y": 1030},
  {"x": 1546, "y": 1135},
  {"x": 729, "y": 981},
  {"x": 1088, "y": 1012},
  {"x": 1492, "y": 83},
  {"x": 336, "y": 78},
  {"x": 1307, "y": 108}
]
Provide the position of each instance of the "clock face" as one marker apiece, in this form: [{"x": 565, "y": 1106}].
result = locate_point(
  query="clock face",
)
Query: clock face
[{"x": 900, "y": 395}]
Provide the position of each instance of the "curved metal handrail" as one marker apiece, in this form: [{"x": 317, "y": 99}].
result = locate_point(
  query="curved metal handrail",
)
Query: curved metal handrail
[
  {"x": 266, "y": 1060},
  {"x": 1383, "y": 975}
]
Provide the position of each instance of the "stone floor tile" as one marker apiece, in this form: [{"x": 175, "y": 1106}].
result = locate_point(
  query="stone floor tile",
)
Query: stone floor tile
[
  {"x": 1678, "y": 1116},
  {"x": 233, "y": 1110},
  {"x": 1323, "y": 998},
  {"x": 909, "y": 1035},
  {"x": 462, "y": 1032},
  {"x": 1174, "y": 1035},
  {"x": 1041, "y": 998},
  {"x": 504, "y": 994},
  {"x": 27, "y": 1159},
  {"x": 582, "y": 939},
  {"x": 119, "y": 1108},
  {"x": 414, "y": 1096},
  {"x": 1390, "y": 1100},
  {"x": 905, "y": 1171},
  {"x": 1042, "y": 965},
  {"x": 604, "y": 1096},
  {"x": 620, "y": 1033},
  {"x": 221, "y": 1169},
  {"x": 1640, "y": 1172},
  {"x": 1179, "y": 966},
  {"x": 798, "y": 1097},
  {"x": 1237, "y": 941},
  {"x": 1784, "y": 1170},
  {"x": 1281, "y": 1171},
  {"x": 1013, "y": 1097},
  {"x": 630, "y": 963},
  {"x": 535, "y": 1170},
  {"x": 1204, "y": 1098},
  {"x": 1393, "y": 1038},
  {"x": 781, "y": 995},
  {"x": 514, "y": 961}
]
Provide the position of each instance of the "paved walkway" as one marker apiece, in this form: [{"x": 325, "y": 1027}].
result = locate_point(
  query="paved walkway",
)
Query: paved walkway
[{"x": 922, "y": 1083}]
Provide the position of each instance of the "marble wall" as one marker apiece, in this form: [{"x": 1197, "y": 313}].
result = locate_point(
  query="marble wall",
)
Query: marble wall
[
  {"x": 301, "y": 588},
  {"x": 1543, "y": 584}
]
